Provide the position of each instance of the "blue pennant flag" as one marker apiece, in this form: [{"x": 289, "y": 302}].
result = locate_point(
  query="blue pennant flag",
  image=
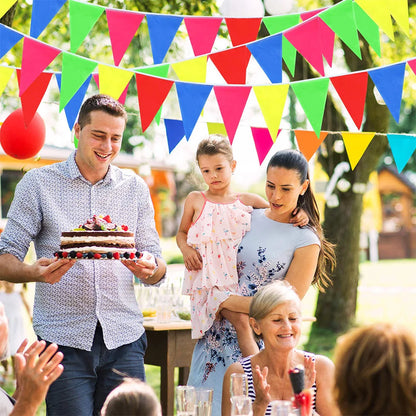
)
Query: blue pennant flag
[
  {"x": 43, "y": 11},
  {"x": 162, "y": 30},
  {"x": 74, "y": 104},
  {"x": 389, "y": 83},
  {"x": 402, "y": 146},
  {"x": 8, "y": 38},
  {"x": 174, "y": 132},
  {"x": 192, "y": 98},
  {"x": 268, "y": 53}
]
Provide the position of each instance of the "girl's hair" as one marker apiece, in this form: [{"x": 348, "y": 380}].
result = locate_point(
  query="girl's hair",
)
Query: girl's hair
[
  {"x": 132, "y": 397},
  {"x": 269, "y": 297},
  {"x": 213, "y": 145},
  {"x": 294, "y": 160},
  {"x": 375, "y": 371}
]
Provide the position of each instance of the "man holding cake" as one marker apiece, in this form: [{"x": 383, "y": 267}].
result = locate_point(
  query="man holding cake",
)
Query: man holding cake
[{"x": 84, "y": 299}]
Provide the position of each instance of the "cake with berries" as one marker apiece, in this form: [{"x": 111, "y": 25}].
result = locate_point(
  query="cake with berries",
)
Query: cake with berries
[{"x": 98, "y": 238}]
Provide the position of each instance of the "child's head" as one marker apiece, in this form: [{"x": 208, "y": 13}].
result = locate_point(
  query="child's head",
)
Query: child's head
[
  {"x": 213, "y": 145},
  {"x": 132, "y": 397}
]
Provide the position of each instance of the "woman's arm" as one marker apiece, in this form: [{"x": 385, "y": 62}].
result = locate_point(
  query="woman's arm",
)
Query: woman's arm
[
  {"x": 302, "y": 268},
  {"x": 226, "y": 395},
  {"x": 236, "y": 303}
]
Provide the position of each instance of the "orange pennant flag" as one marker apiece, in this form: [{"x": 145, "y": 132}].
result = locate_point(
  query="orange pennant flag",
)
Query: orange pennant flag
[{"x": 308, "y": 142}]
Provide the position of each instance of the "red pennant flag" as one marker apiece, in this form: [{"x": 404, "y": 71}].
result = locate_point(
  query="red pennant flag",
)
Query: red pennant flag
[
  {"x": 243, "y": 30},
  {"x": 308, "y": 142},
  {"x": 122, "y": 26},
  {"x": 352, "y": 89},
  {"x": 263, "y": 141},
  {"x": 202, "y": 32},
  {"x": 36, "y": 56},
  {"x": 231, "y": 100},
  {"x": 33, "y": 95},
  {"x": 232, "y": 64},
  {"x": 151, "y": 93}
]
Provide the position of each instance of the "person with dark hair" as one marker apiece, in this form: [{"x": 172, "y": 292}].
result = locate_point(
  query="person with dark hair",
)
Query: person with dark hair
[
  {"x": 272, "y": 250},
  {"x": 375, "y": 371},
  {"x": 88, "y": 308}
]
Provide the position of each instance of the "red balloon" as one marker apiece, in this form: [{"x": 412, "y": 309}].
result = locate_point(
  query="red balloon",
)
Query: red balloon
[{"x": 21, "y": 141}]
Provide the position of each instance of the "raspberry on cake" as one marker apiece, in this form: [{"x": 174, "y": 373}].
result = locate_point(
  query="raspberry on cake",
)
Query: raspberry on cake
[{"x": 98, "y": 238}]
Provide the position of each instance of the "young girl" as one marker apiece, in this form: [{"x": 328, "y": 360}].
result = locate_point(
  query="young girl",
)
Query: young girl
[{"x": 212, "y": 226}]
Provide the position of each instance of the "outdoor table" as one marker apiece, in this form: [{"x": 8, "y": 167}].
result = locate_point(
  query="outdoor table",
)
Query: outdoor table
[{"x": 169, "y": 345}]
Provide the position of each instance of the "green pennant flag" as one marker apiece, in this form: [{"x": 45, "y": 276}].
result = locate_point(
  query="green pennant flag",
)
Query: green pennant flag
[
  {"x": 158, "y": 71},
  {"x": 340, "y": 18},
  {"x": 82, "y": 17},
  {"x": 368, "y": 28},
  {"x": 75, "y": 70},
  {"x": 312, "y": 95},
  {"x": 277, "y": 24}
]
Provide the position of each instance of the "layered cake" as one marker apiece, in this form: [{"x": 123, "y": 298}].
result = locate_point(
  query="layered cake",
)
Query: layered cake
[{"x": 98, "y": 238}]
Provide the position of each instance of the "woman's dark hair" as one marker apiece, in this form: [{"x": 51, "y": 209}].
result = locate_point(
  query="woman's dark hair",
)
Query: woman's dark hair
[{"x": 294, "y": 160}]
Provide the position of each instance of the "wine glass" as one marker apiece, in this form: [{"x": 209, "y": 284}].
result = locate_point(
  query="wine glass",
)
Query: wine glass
[
  {"x": 241, "y": 406},
  {"x": 238, "y": 385},
  {"x": 185, "y": 401}
]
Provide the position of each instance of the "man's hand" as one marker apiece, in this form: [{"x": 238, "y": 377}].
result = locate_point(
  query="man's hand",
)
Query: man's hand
[
  {"x": 51, "y": 270},
  {"x": 145, "y": 268}
]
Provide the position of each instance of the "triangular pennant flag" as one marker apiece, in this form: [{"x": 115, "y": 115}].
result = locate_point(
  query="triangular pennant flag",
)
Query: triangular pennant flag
[
  {"x": 192, "y": 98},
  {"x": 82, "y": 17},
  {"x": 263, "y": 142},
  {"x": 300, "y": 37},
  {"x": 268, "y": 54},
  {"x": 122, "y": 26},
  {"x": 271, "y": 99},
  {"x": 327, "y": 39},
  {"x": 231, "y": 101},
  {"x": 202, "y": 32},
  {"x": 5, "y": 5},
  {"x": 192, "y": 70},
  {"x": 389, "y": 83},
  {"x": 75, "y": 70},
  {"x": 352, "y": 89},
  {"x": 309, "y": 142},
  {"x": 232, "y": 64},
  {"x": 368, "y": 28},
  {"x": 162, "y": 30},
  {"x": 8, "y": 38},
  {"x": 36, "y": 56},
  {"x": 43, "y": 11},
  {"x": 412, "y": 64},
  {"x": 308, "y": 15},
  {"x": 312, "y": 97},
  {"x": 379, "y": 11},
  {"x": 33, "y": 95},
  {"x": 74, "y": 104},
  {"x": 216, "y": 128},
  {"x": 402, "y": 146},
  {"x": 276, "y": 24},
  {"x": 122, "y": 98},
  {"x": 113, "y": 81},
  {"x": 355, "y": 145},
  {"x": 340, "y": 18},
  {"x": 243, "y": 30},
  {"x": 175, "y": 132},
  {"x": 5, "y": 74},
  {"x": 151, "y": 93},
  {"x": 399, "y": 9}
]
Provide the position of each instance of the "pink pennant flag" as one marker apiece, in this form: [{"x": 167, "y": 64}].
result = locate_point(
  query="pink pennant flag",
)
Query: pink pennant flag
[
  {"x": 202, "y": 32},
  {"x": 232, "y": 101},
  {"x": 352, "y": 89},
  {"x": 263, "y": 141},
  {"x": 232, "y": 64},
  {"x": 122, "y": 26},
  {"x": 412, "y": 64},
  {"x": 327, "y": 39},
  {"x": 243, "y": 30},
  {"x": 36, "y": 56},
  {"x": 308, "y": 15}
]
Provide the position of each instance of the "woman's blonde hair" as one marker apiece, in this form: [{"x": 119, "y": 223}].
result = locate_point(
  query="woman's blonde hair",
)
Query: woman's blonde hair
[{"x": 375, "y": 371}]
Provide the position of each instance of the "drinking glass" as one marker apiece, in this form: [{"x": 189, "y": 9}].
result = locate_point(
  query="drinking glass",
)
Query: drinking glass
[
  {"x": 241, "y": 406},
  {"x": 238, "y": 384},
  {"x": 281, "y": 408},
  {"x": 203, "y": 402},
  {"x": 185, "y": 401}
]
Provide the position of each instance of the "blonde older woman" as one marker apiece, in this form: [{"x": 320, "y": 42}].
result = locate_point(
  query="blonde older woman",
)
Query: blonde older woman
[{"x": 275, "y": 316}]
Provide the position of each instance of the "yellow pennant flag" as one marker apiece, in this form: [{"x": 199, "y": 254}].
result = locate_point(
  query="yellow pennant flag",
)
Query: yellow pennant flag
[
  {"x": 216, "y": 128},
  {"x": 113, "y": 80},
  {"x": 379, "y": 11},
  {"x": 5, "y": 6},
  {"x": 355, "y": 145},
  {"x": 400, "y": 11},
  {"x": 5, "y": 74},
  {"x": 192, "y": 70},
  {"x": 271, "y": 99}
]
